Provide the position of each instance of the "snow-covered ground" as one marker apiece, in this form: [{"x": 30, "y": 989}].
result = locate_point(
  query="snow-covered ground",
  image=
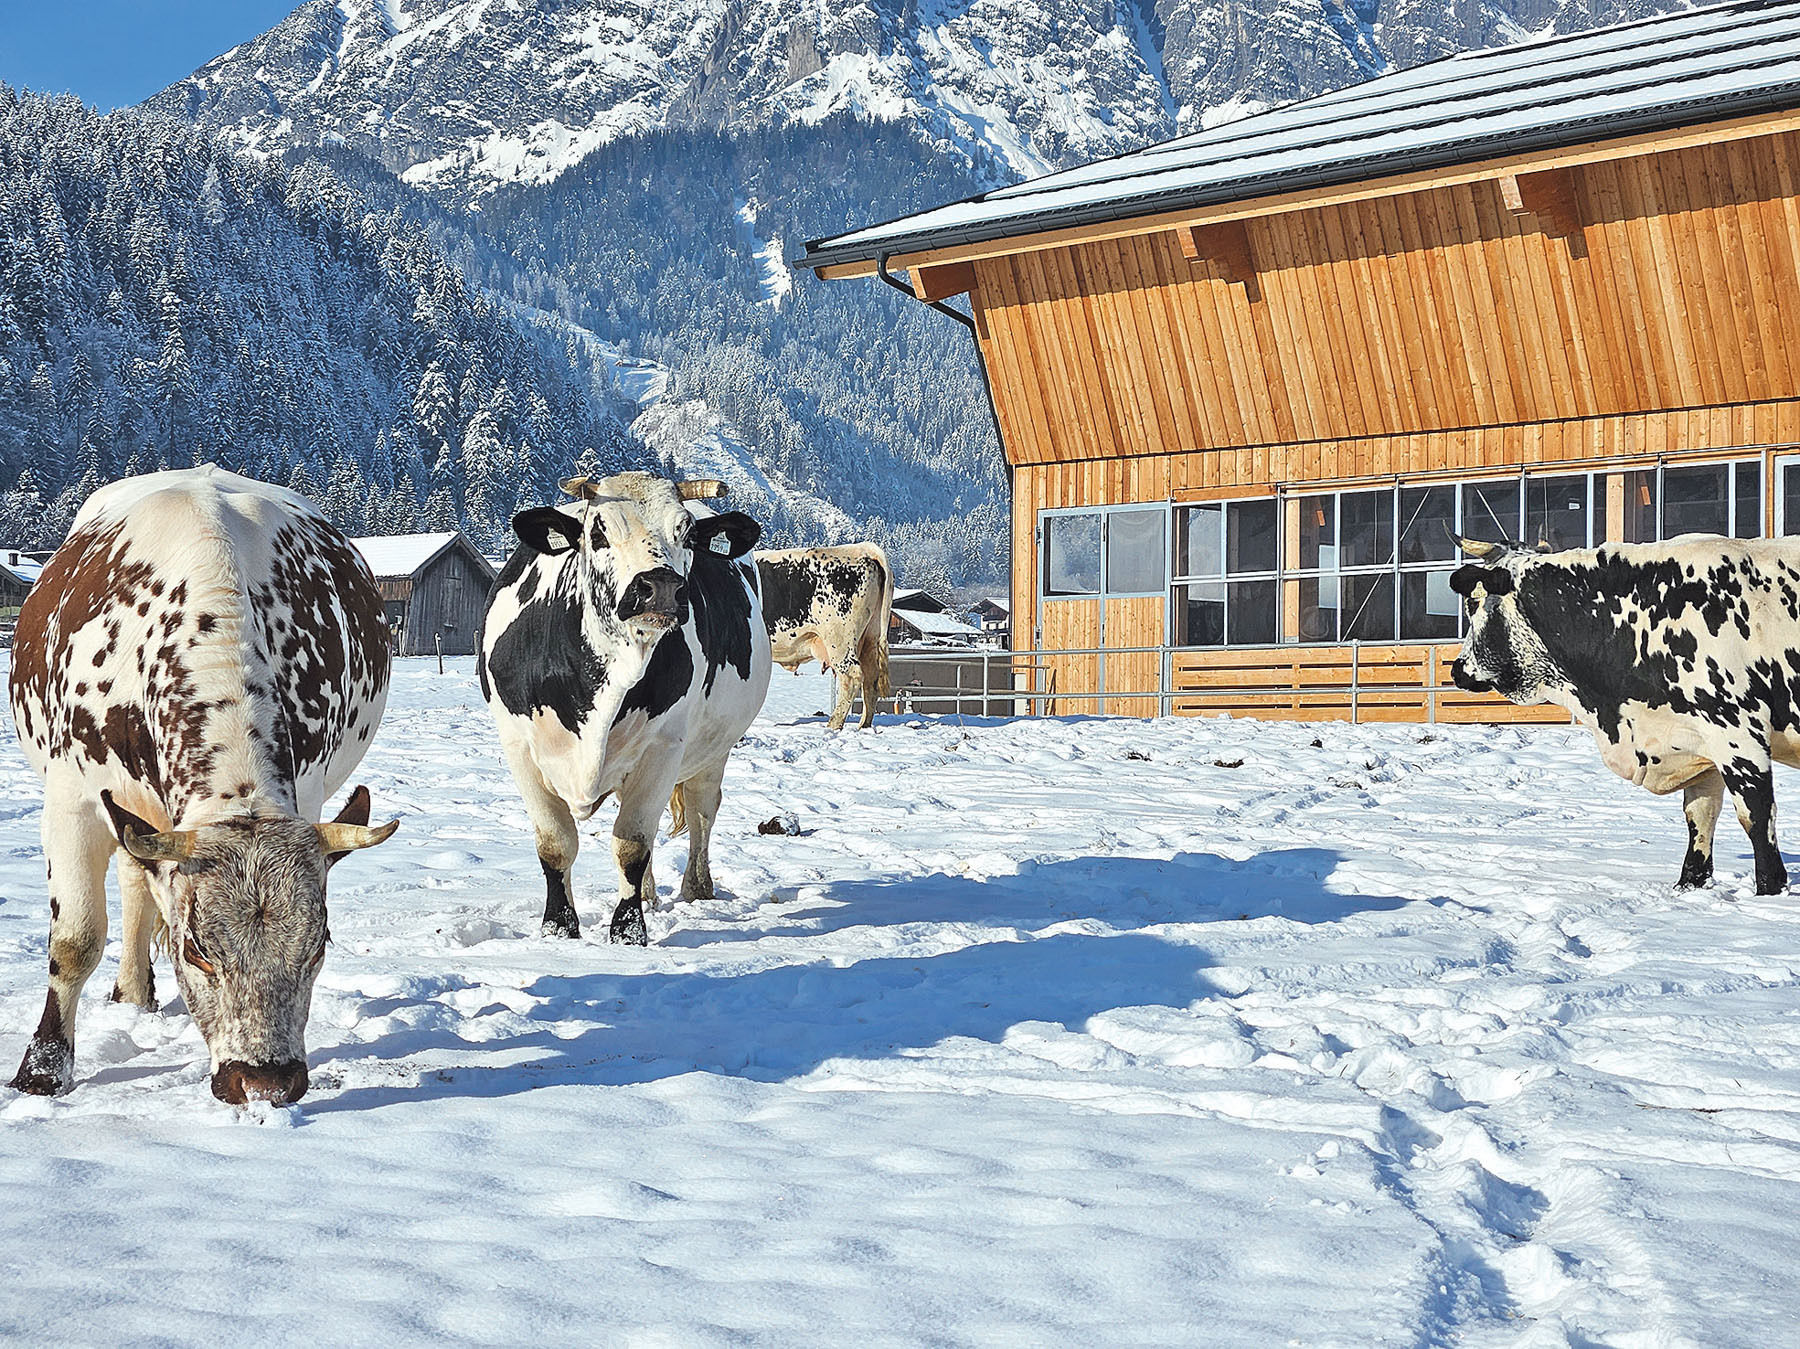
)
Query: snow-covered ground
[{"x": 1070, "y": 1031}]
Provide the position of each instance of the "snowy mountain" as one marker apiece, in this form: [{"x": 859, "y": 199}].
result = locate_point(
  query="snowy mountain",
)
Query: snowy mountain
[
  {"x": 461, "y": 96},
  {"x": 164, "y": 301}
]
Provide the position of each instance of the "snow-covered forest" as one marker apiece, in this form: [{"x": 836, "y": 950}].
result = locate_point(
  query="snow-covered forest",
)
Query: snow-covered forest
[{"x": 164, "y": 301}]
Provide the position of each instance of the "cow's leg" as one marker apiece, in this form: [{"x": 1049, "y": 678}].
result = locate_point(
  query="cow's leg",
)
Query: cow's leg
[
  {"x": 137, "y": 980},
  {"x": 1700, "y": 802},
  {"x": 640, "y": 811},
  {"x": 846, "y": 694},
  {"x": 558, "y": 841},
  {"x": 76, "y": 849},
  {"x": 869, "y": 668},
  {"x": 701, "y": 794},
  {"x": 1751, "y": 783}
]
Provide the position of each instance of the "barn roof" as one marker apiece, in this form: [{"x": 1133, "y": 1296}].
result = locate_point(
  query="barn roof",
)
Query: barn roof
[
  {"x": 394, "y": 557},
  {"x": 1729, "y": 60}
]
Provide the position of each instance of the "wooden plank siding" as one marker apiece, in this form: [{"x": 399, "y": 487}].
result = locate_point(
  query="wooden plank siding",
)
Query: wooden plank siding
[{"x": 1430, "y": 334}]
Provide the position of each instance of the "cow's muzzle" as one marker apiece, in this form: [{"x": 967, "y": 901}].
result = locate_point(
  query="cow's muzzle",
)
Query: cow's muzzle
[
  {"x": 1459, "y": 674},
  {"x": 236, "y": 1082},
  {"x": 658, "y": 594}
]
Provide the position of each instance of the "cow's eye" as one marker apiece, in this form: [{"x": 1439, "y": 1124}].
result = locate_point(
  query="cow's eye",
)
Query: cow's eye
[
  {"x": 191, "y": 952},
  {"x": 687, "y": 539},
  {"x": 597, "y": 534}
]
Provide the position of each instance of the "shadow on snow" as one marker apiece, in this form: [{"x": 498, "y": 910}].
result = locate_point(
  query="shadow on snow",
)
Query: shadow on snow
[{"x": 775, "y": 1023}]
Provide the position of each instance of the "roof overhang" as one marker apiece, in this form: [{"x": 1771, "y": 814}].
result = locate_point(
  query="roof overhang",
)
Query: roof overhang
[{"x": 1768, "y": 112}]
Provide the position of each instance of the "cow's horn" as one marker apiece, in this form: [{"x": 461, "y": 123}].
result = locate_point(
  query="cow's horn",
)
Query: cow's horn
[
  {"x": 701, "y": 489},
  {"x": 336, "y": 838},
  {"x": 1478, "y": 547},
  {"x": 581, "y": 487},
  {"x": 177, "y": 845}
]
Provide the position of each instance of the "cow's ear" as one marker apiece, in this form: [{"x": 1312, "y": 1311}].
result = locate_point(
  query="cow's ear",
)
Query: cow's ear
[
  {"x": 1494, "y": 580},
  {"x": 731, "y": 534},
  {"x": 547, "y": 530}
]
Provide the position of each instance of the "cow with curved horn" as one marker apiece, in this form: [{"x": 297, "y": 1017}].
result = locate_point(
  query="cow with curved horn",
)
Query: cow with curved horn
[
  {"x": 201, "y": 665},
  {"x": 1682, "y": 657},
  {"x": 623, "y": 654}
]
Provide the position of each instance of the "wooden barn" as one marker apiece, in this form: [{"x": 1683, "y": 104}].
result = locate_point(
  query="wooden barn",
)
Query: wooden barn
[
  {"x": 433, "y": 585},
  {"x": 1248, "y": 380}
]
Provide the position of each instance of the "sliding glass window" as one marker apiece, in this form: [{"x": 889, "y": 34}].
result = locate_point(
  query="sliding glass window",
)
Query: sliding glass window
[
  {"x": 1117, "y": 552},
  {"x": 1226, "y": 556}
]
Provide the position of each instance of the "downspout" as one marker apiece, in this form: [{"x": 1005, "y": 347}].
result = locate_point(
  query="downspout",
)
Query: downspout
[{"x": 881, "y": 270}]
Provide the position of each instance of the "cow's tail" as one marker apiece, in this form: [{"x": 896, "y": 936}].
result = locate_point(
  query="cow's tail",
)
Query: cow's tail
[
  {"x": 678, "y": 820},
  {"x": 878, "y": 658}
]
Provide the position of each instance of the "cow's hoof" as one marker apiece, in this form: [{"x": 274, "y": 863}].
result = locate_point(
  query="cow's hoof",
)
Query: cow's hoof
[
  {"x": 1694, "y": 880},
  {"x": 563, "y": 925},
  {"x": 48, "y": 1069},
  {"x": 147, "y": 1002},
  {"x": 628, "y": 929}
]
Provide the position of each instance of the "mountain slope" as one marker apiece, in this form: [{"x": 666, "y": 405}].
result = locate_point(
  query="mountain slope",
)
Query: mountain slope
[{"x": 164, "y": 301}]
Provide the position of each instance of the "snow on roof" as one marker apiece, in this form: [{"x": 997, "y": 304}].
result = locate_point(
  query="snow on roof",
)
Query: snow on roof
[
  {"x": 392, "y": 556},
  {"x": 21, "y": 565},
  {"x": 936, "y": 625},
  {"x": 909, "y": 598},
  {"x": 1701, "y": 65}
]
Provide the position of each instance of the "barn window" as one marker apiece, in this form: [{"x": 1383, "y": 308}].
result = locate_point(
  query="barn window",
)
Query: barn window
[
  {"x": 1072, "y": 554},
  {"x": 1557, "y": 510},
  {"x": 1226, "y": 554},
  {"x": 1117, "y": 551}
]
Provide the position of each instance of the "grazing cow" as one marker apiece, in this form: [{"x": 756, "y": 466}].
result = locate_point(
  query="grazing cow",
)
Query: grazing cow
[
  {"x": 202, "y": 663},
  {"x": 1683, "y": 658},
  {"x": 623, "y": 652},
  {"x": 832, "y": 605}
]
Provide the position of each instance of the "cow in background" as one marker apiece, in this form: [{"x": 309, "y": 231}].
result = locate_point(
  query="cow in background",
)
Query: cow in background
[
  {"x": 832, "y": 605},
  {"x": 202, "y": 663},
  {"x": 623, "y": 653},
  {"x": 1683, "y": 659}
]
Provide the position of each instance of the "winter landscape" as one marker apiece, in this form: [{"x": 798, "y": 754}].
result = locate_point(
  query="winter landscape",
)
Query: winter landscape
[
  {"x": 1202, "y": 1032},
  {"x": 1047, "y": 1029}
]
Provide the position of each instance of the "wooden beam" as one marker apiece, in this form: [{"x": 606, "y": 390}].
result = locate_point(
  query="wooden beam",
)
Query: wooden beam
[
  {"x": 940, "y": 283},
  {"x": 1225, "y": 251},
  {"x": 1590, "y": 152}
]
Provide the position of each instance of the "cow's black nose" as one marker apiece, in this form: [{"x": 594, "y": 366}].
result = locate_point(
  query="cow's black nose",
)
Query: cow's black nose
[
  {"x": 282, "y": 1083},
  {"x": 660, "y": 591},
  {"x": 1460, "y": 675}
]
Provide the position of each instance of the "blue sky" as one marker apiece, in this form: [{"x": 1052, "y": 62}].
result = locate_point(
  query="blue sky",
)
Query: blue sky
[{"x": 110, "y": 53}]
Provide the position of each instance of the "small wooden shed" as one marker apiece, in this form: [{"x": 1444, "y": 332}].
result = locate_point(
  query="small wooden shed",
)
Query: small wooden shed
[
  {"x": 1248, "y": 380},
  {"x": 432, "y": 585}
]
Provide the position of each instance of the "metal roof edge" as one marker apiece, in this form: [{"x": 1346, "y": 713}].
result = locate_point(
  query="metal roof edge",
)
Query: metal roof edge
[{"x": 1776, "y": 98}]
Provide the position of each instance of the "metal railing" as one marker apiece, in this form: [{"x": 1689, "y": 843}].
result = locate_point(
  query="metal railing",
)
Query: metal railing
[{"x": 998, "y": 683}]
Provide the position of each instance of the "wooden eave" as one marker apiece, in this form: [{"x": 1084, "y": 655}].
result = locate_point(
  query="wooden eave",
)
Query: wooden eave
[{"x": 957, "y": 257}]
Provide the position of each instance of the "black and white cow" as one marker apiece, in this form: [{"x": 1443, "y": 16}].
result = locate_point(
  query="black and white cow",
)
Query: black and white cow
[
  {"x": 1683, "y": 658},
  {"x": 623, "y": 652},
  {"x": 202, "y": 663},
  {"x": 832, "y": 605}
]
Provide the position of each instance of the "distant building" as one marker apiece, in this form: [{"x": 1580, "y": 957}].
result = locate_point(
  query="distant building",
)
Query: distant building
[
  {"x": 993, "y": 617},
  {"x": 18, "y": 573},
  {"x": 923, "y": 627},
  {"x": 431, "y": 585},
  {"x": 919, "y": 601}
]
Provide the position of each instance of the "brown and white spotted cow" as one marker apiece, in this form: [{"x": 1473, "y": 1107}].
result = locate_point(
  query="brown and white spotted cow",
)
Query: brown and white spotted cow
[
  {"x": 202, "y": 663},
  {"x": 832, "y": 605}
]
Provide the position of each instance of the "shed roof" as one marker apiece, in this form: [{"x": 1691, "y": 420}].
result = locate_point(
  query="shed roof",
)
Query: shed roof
[
  {"x": 22, "y": 565},
  {"x": 395, "y": 556},
  {"x": 1703, "y": 65},
  {"x": 935, "y": 625}
]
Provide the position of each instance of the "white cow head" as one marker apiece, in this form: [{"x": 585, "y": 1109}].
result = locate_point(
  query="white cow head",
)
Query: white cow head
[
  {"x": 244, "y": 900},
  {"x": 1501, "y": 652},
  {"x": 634, "y": 540}
]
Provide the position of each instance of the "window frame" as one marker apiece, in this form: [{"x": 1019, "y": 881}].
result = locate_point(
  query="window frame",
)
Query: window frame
[{"x": 1104, "y": 593}]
